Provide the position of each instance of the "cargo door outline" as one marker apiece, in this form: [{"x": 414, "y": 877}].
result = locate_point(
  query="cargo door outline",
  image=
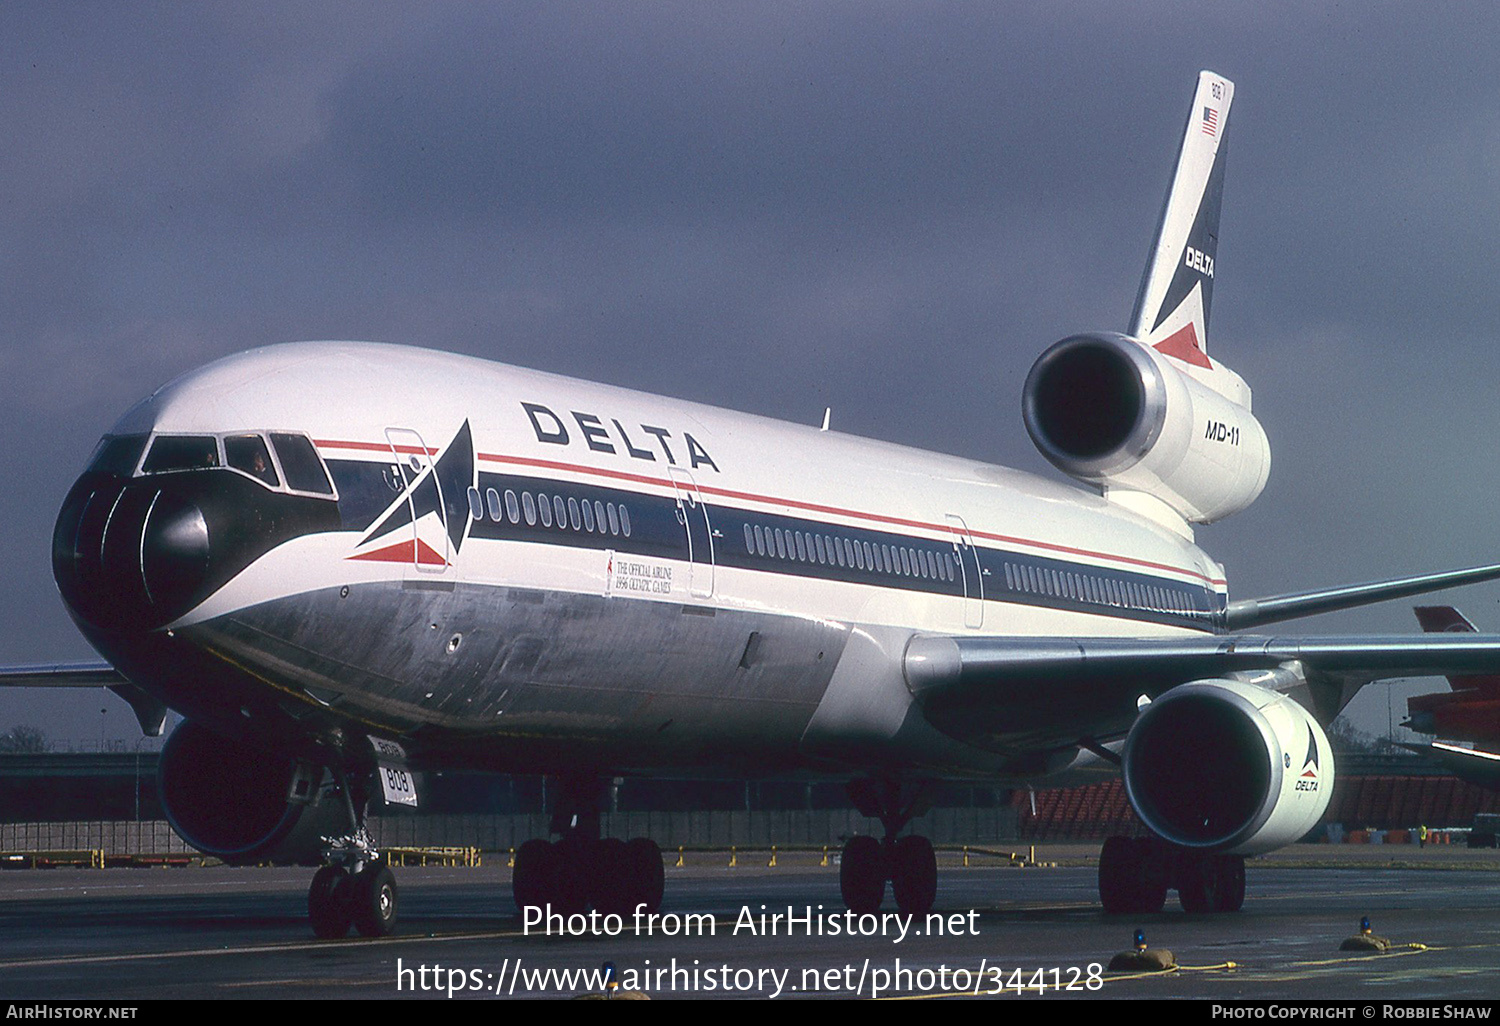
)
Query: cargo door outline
[
  {"x": 692, "y": 513},
  {"x": 969, "y": 570},
  {"x": 413, "y": 459}
]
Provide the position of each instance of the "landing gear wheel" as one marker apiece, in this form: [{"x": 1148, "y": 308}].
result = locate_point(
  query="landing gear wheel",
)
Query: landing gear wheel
[
  {"x": 649, "y": 878},
  {"x": 614, "y": 881},
  {"x": 1234, "y": 888},
  {"x": 862, "y": 875},
  {"x": 328, "y": 903},
  {"x": 534, "y": 879},
  {"x": 914, "y": 875},
  {"x": 1212, "y": 883},
  {"x": 1130, "y": 881},
  {"x": 578, "y": 870},
  {"x": 374, "y": 901}
]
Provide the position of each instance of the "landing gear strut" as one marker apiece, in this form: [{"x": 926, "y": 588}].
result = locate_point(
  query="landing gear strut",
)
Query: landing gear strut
[
  {"x": 582, "y": 870},
  {"x": 1135, "y": 874},
  {"x": 353, "y": 889},
  {"x": 908, "y": 863}
]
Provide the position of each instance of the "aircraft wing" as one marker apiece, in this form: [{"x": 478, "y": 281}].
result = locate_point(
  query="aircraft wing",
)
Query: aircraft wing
[
  {"x": 1053, "y": 692},
  {"x": 61, "y": 675},
  {"x": 151, "y": 713}
]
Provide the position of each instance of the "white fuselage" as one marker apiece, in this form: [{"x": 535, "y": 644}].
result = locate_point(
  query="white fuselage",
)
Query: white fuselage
[{"x": 833, "y": 543}]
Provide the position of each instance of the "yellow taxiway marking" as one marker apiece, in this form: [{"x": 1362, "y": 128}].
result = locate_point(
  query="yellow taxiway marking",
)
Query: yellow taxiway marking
[{"x": 259, "y": 949}]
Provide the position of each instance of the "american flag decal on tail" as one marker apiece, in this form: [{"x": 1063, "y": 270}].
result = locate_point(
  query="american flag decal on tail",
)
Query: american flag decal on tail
[{"x": 1210, "y": 121}]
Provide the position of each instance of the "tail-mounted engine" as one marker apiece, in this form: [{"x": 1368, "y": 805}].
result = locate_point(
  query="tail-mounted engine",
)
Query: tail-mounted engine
[
  {"x": 245, "y": 805},
  {"x": 1219, "y": 765},
  {"x": 1109, "y": 411}
]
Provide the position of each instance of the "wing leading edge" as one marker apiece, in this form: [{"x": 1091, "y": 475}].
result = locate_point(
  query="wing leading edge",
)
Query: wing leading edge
[
  {"x": 150, "y": 712},
  {"x": 1052, "y": 692}
]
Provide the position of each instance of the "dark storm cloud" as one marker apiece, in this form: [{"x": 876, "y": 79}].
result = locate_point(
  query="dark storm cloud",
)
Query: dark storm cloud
[{"x": 886, "y": 208}]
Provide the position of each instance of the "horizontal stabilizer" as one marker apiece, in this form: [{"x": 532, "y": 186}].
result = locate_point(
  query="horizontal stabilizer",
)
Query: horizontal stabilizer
[{"x": 1479, "y": 768}]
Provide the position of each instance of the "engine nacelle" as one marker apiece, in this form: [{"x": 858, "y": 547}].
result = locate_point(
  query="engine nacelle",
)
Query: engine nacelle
[
  {"x": 1109, "y": 411},
  {"x": 244, "y": 804},
  {"x": 1218, "y": 765}
]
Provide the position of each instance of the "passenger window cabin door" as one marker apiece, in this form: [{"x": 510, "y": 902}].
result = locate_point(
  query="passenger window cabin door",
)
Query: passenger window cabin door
[
  {"x": 424, "y": 500},
  {"x": 969, "y": 570},
  {"x": 692, "y": 514}
]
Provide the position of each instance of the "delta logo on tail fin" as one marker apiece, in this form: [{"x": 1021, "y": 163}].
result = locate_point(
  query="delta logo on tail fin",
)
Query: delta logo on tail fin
[
  {"x": 433, "y": 489},
  {"x": 1172, "y": 307}
]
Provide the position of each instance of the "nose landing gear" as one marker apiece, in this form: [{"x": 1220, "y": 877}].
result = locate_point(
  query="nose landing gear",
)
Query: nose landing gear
[{"x": 353, "y": 889}]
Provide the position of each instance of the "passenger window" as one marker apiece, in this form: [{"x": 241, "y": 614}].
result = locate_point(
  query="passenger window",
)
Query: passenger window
[
  {"x": 624, "y": 521},
  {"x": 544, "y": 507},
  {"x": 528, "y": 507},
  {"x": 248, "y": 453},
  {"x": 573, "y": 513},
  {"x": 476, "y": 503},
  {"x": 561, "y": 512},
  {"x": 512, "y": 508},
  {"x": 599, "y": 516},
  {"x": 492, "y": 499},
  {"x": 588, "y": 516},
  {"x": 182, "y": 452},
  {"x": 614, "y": 519},
  {"x": 301, "y": 465},
  {"x": 749, "y": 540},
  {"x": 760, "y": 541},
  {"x": 801, "y": 547}
]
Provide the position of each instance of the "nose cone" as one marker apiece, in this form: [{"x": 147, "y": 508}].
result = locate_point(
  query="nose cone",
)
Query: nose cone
[
  {"x": 174, "y": 551},
  {"x": 128, "y": 554}
]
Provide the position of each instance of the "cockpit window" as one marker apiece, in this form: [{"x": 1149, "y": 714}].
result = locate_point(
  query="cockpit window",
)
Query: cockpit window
[
  {"x": 299, "y": 461},
  {"x": 181, "y": 452},
  {"x": 118, "y": 455},
  {"x": 248, "y": 453}
]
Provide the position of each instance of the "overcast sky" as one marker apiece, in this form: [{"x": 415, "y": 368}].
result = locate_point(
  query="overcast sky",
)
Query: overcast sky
[{"x": 890, "y": 209}]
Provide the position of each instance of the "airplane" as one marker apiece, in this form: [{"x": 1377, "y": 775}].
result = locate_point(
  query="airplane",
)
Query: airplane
[
  {"x": 1469, "y": 712},
  {"x": 349, "y": 563}
]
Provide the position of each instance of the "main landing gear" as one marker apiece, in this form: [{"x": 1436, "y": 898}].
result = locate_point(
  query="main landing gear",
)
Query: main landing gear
[
  {"x": 1135, "y": 874},
  {"x": 353, "y": 889},
  {"x": 909, "y": 863},
  {"x": 582, "y": 870}
]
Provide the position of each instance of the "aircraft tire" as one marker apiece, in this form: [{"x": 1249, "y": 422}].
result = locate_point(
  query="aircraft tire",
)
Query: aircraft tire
[
  {"x": 644, "y": 857},
  {"x": 1212, "y": 883},
  {"x": 374, "y": 901},
  {"x": 1129, "y": 881},
  {"x": 616, "y": 879},
  {"x": 328, "y": 903},
  {"x": 534, "y": 878},
  {"x": 1232, "y": 869},
  {"x": 862, "y": 874},
  {"x": 579, "y": 866},
  {"x": 914, "y": 875}
]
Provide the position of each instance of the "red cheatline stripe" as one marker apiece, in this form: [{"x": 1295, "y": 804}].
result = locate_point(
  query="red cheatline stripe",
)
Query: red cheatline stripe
[
  {"x": 729, "y": 493},
  {"x": 323, "y": 443}
]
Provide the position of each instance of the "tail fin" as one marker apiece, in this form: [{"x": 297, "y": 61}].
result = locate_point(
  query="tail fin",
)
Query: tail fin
[
  {"x": 1471, "y": 711},
  {"x": 1171, "y": 309},
  {"x": 1441, "y": 619}
]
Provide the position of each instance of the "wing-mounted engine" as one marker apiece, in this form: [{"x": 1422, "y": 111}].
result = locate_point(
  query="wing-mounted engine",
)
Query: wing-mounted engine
[
  {"x": 1109, "y": 411},
  {"x": 1219, "y": 765},
  {"x": 245, "y": 805}
]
